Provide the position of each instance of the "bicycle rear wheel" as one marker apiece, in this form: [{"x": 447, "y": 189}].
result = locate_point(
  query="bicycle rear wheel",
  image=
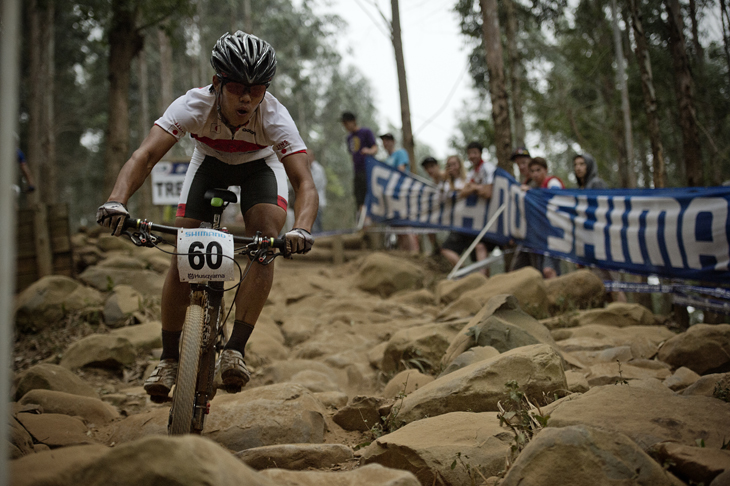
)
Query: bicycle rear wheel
[{"x": 183, "y": 400}]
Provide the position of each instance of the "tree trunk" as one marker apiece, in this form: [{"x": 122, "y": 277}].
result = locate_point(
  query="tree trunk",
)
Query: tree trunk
[
  {"x": 39, "y": 158},
  {"x": 495, "y": 66},
  {"x": 405, "y": 107},
  {"x": 725, "y": 17},
  {"x": 626, "y": 169},
  {"x": 685, "y": 96},
  {"x": 124, "y": 43},
  {"x": 166, "y": 96},
  {"x": 650, "y": 103},
  {"x": 145, "y": 195},
  {"x": 203, "y": 50},
  {"x": 515, "y": 73},
  {"x": 247, "y": 17}
]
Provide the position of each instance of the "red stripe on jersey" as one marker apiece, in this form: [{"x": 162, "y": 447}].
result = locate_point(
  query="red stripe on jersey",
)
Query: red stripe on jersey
[
  {"x": 300, "y": 152},
  {"x": 180, "y": 211},
  {"x": 281, "y": 202},
  {"x": 230, "y": 146}
]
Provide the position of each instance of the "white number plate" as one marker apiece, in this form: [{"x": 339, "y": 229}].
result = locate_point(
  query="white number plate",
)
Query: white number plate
[{"x": 207, "y": 255}]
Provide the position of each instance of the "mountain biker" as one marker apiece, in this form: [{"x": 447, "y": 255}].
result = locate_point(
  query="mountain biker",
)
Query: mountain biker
[{"x": 243, "y": 137}]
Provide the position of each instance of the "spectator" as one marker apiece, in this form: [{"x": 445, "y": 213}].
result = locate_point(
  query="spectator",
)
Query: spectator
[
  {"x": 540, "y": 176},
  {"x": 455, "y": 179},
  {"x": 320, "y": 182},
  {"x": 481, "y": 175},
  {"x": 548, "y": 265},
  {"x": 360, "y": 144},
  {"x": 25, "y": 170},
  {"x": 398, "y": 159},
  {"x": 479, "y": 182},
  {"x": 586, "y": 172},
  {"x": 431, "y": 166},
  {"x": 521, "y": 157}
]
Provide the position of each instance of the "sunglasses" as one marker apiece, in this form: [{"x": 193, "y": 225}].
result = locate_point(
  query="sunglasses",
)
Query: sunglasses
[{"x": 240, "y": 89}]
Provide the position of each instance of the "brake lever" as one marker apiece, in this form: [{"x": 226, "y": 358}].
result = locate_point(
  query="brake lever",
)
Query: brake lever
[{"x": 143, "y": 239}]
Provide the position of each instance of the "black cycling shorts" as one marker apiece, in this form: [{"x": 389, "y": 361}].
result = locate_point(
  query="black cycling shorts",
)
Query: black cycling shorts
[{"x": 261, "y": 181}]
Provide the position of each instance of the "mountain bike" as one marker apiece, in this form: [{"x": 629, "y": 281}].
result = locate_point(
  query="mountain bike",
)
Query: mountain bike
[{"x": 206, "y": 261}]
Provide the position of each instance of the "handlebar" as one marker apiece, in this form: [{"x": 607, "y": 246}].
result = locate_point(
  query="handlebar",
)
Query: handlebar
[{"x": 149, "y": 227}]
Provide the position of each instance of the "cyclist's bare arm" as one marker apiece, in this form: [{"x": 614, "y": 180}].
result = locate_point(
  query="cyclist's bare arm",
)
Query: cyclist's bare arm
[
  {"x": 157, "y": 143},
  {"x": 307, "y": 200}
]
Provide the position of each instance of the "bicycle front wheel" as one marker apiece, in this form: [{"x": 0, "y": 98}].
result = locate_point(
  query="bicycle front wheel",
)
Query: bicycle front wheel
[{"x": 183, "y": 400}]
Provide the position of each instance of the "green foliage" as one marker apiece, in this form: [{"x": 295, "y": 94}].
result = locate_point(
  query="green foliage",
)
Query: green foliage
[
  {"x": 621, "y": 380},
  {"x": 721, "y": 391},
  {"x": 522, "y": 416}
]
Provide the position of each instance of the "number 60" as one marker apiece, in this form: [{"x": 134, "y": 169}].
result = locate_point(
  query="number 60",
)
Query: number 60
[{"x": 212, "y": 255}]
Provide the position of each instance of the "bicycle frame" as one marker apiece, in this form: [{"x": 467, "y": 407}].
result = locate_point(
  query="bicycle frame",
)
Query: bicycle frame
[{"x": 203, "y": 336}]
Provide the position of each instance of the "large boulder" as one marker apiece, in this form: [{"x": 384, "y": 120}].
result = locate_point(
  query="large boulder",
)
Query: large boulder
[
  {"x": 91, "y": 410},
  {"x": 448, "y": 291},
  {"x": 362, "y": 413},
  {"x": 144, "y": 337},
  {"x": 50, "y": 299},
  {"x": 372, "y": 475},
  {"x": 692, "y": 464},
  {"x": 420, "y": 346},
  {"x": 384, "y": 275},
  {"x": 714, "y": 385},
  {"x": 616, "y": 372},
  {"x": 646, "y": 416},
  {"x": 703, "y": 348},
  {"x": 537, "y": 369},
  {"x": 268, "y": 415},
  {"x": 54, "y": 467},
  {"x": 406, "y": 382},
  {"x": 642, "y": 340},
  {"x": 188, "y": 460},
  {"x": 146, "y": 282},
  {"x": 575, "y": 290},
  {"x": 20, "y": 442},
  {"x": 469, "y": 357},
  {"x": 101, "y": 351},
  {"x": 503, "y": 325},
  {"x": 51, "y": 377},
  {"x": 580, "y": 455},
  {"x": 296, "y": 457},
  {"x": 55, "y": 430},
  {"x": 445, "y": 449},
  {"x": 526, "y": 284},
  {"x": 120, "y": 305},
  {"x": 616, "y": 314}
]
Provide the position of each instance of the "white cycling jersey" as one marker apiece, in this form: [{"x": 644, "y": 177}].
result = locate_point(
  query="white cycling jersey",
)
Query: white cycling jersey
[
  {"x": 271, "y": 131},
  {"x": 482, "y": 174}
]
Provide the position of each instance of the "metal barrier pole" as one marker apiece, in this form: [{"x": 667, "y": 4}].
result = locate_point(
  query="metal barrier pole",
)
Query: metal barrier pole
[
  {"x": 9, "y": 19},
  {"x": 476, "y": 241}
]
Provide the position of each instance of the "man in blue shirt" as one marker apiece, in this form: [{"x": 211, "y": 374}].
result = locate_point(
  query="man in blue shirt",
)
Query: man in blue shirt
[{"x": 398, "y": 159}]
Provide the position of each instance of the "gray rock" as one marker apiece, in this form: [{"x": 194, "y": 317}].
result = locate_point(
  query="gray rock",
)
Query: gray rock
[
  {"x": 51, "y": 377},
  {"x": 711, "y": 385},
  {"x": 120, "y": 305},
  {"x": 469, "y": 357},
  {"x": 371, "y": 475},
  {"x": 681, "y": 379},
  {"x": 101, "y": 351},
  {"x": 49, "y": 300},
  {"x": 580, "y": 455},
  {"x": 703, "y": 348},
  {"x": 54, "y": 467},
  {"x": 144, "y": 337},
  {"x": 428, "y": 448},
  {"x": 692, "y": 464},
  {"x": 418, "y": 347},
  {"x": 90, "y": 410},
  {"x": 537, "y": 369},
  {"x": 360, "y": 414},
  {"x": 384, "y": 275},
  {"x": 575, "y": 290},
  {"x": 647, "y": 416},
  {"x": 406, "y": 382},
  {"x": 55, "y": 430},
  {"x": 104, "y": 279},
  {"x": 296, "y": 457}
]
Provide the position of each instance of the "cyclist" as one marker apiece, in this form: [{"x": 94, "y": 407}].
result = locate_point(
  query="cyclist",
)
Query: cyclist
[{"x": 243, "y": 137}]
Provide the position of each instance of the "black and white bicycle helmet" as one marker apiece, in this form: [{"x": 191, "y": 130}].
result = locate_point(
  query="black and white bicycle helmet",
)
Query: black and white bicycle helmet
[{"x": 243, "y": 58}]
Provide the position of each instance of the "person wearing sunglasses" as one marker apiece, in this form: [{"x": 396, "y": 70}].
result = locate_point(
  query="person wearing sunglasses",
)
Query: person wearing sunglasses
[{"x": 243, "y": 137}]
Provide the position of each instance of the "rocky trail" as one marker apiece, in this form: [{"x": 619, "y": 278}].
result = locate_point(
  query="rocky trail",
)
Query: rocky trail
[{"x": 377, "y": 371}]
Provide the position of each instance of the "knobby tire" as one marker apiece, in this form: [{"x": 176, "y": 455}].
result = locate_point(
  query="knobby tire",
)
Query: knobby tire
[{"x": 183, "y": 400}]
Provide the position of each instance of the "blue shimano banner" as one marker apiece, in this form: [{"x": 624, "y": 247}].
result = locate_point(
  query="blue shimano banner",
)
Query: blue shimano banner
[{"x": 675, "y": 233}]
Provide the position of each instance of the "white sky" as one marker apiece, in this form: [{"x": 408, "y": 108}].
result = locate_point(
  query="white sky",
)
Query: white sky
[{"x": 435, "y": 57}]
